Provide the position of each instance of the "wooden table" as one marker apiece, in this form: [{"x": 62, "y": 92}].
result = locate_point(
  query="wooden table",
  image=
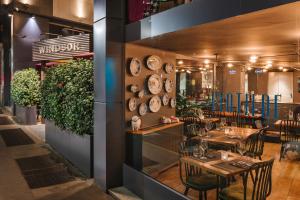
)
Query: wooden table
[
  {"x": 212, "y": 167},
  {"x": 241, "y": 115},
  {"x": 219, "y": 137}
]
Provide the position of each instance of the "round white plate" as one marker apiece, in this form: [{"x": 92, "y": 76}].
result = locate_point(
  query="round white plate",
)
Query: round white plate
[
  {"x": 155, "y": 104},
  {"x": 141, "y": 94},
  {"x": 134, "y": 88},
  {"x": 155, "y": 84},
  {"x": 165, "y": 99},
  {"x": 135, "y": 67},
  {"x": 169, "y": 85},
  {"x": 143, "y": 109},
  {"x": 154, "y": 63},
  {"x": 169, "y": 68},
  {"x": 132, "y": 104},
  {"x": 173, "y": 102}
]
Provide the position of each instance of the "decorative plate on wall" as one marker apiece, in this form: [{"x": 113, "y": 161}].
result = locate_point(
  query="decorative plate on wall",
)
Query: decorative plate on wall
[
  {"x": 173, "y": 102},
  {"x": 165, "y": 99},
  {"x": 154, "y": 63},
  {"x": 134, "y": 88},
  {"x": 141, "y": 94},
  {"x": 155, "y": 104},
  {"x": 169, "y": 85},
  {"x": 169, "y": 68},
  {"x": 132, "y": 104},
  {"x": 135, "y": 67},
  {"x": 143, "y": 109},
  {"x": 155, "y": 84}
]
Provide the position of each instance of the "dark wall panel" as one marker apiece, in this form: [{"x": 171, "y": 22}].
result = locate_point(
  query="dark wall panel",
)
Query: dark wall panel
[
  {"x": 26, "y": 31},
  {"x": 194, "y": 14}
]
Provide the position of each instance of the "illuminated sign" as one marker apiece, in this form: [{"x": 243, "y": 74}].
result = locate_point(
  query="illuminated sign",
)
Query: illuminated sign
[
  {"x": 61, "y": 48},
  {"x": 232, "y": 71}
]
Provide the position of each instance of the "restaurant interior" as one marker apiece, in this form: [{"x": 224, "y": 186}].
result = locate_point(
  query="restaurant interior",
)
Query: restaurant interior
[{"x": 237, "y": 96}]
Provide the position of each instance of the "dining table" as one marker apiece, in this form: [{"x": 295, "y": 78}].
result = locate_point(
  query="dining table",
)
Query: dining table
[
  {"x": 228, "y": 136},
  {"x": 234, "y": 164},
  {"x": 256, "y": 116}
]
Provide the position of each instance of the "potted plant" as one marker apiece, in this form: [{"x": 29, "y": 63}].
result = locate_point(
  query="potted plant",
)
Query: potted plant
[
  {"x": 67, "y": 105},
  {"x": 26, "y": 94}
]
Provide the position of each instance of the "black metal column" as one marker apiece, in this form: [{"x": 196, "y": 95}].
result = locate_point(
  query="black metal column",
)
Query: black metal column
[{"x": 109, "y": 134}]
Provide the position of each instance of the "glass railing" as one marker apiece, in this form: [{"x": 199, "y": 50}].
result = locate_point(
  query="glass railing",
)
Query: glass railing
[{"x": 139, "y": 9}]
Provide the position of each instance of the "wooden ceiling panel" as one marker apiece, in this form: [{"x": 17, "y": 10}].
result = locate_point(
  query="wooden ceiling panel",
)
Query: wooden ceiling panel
[{"x": 271, "y": 34}]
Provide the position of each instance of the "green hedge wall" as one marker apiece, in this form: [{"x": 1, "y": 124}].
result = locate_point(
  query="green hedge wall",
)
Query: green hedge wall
[
  {"x": 68, "y": 96},
  {"x": 26, "y": 88}
]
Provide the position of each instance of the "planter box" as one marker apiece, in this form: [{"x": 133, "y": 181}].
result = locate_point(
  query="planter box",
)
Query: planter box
[
  {"x": 75, "y": 148},
  {"x": 26, "y": 115}
]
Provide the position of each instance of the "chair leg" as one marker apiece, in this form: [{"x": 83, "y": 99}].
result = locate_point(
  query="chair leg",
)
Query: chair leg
[
  {"x": 200, "y": 195},
  {"x": 186, "y": 190},
  {"x": 205, "y": 195},
  {"x": 281, "y": 152}
]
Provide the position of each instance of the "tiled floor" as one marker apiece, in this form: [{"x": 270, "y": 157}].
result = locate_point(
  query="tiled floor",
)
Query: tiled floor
[
  {"x": 14, "y": 187},
  {"x": 286, "y": 177}
]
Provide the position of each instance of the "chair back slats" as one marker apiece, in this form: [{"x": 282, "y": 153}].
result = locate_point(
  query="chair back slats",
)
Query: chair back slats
[
  {"x": 289, "y": 131},
  {"x": 255, "y": 144},
  {"x": 262, "y": 183},
  {"x": 186, "y": 150}
]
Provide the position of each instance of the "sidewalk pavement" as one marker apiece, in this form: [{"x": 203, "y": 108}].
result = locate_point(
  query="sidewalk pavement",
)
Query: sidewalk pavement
[{"x": 13, "y": 185}]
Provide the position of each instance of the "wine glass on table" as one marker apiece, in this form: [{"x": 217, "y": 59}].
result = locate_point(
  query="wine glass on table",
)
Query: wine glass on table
[
  {"x": 241, "y": 148},
  {"x": 208, "y": 127},
  {"x": 196, "y": 151},
  {"x": 204, "y": 148}
]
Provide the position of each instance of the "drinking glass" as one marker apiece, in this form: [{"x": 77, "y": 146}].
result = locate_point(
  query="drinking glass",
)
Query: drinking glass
[
  {"x": 224, "y": 155},
  {"x": 234, "y": 124},
  {"x": 223, "y": 121},
  {"x": 204, "y": 146},
  {"x": 196, "y": 151},
  {"x": 241, "y": 148},
  {"x": 208, "y": 127},
  {"x": 218, "y": 126}
]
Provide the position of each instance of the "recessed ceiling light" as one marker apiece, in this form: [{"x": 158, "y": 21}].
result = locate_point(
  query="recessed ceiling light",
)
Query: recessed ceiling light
[
  {"x": 182, "y": 70},
  {"x": 285, "y": 70},
  {"x": 253, "y": 59},
  {"x": 180, "y": 62},
  {"x": 265, "y": 70},
  {"x": 206, "y": 61},
  {"x": 269, "y": 62},
  {"x": 281, "y": 68},
  {"x": 207, "y": 65},
  {"x": 249, "y": 68},
  {"x": 176, "y": 70},
  {"x": 200, "y": 68},
  {"x": 229, "y": 65},
  {"x": 269, "y": 65},
  {"x": 188, "y": 71},
  {"x": 210, "y": 70}
]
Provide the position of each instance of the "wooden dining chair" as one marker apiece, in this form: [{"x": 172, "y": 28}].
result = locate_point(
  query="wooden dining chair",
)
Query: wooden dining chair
[
  {"x": 257, "y": 187},
  {"x": 186, "y": 147},
  {"x": 255, "y": 144},
  {"x": 192, "y": 130},
  {"x": 289, "y": 133},
  {"x": 192, "y": 177}
]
